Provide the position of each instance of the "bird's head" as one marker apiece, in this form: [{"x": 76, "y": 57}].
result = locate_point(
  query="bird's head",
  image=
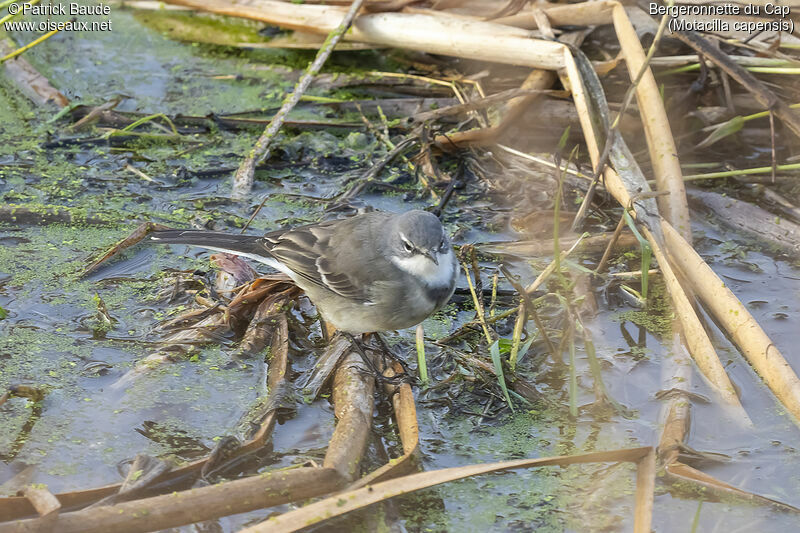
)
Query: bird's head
[{"x": 419, "y": 245}]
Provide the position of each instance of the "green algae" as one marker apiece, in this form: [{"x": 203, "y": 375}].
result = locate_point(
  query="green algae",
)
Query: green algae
[
  {"x": 441, "y": 323},
  {"x": 61, "y": 249},
  {"x": 578, "y": 497},
  {"x": 657, "y": 317},
  {"x": 199, "y": 27}
]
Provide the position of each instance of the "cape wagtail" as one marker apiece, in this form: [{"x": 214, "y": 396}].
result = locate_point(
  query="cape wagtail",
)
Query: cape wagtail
[{"x": 373, "y": 272}]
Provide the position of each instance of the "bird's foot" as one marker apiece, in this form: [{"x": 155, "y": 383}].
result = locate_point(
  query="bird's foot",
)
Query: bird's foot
[{"x": 380, "y": 377}]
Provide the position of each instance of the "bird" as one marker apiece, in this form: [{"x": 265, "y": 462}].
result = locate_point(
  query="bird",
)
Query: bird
[{"x": 373, "y": 272}]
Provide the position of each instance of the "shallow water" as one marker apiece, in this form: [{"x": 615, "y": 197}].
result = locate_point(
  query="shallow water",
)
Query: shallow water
[{"x": 86, "y": 428}]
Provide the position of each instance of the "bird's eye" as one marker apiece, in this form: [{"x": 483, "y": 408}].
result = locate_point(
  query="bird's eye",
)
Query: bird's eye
[
  {"x": 408, "y": 247},
  {"x": 443, "y": 244}
]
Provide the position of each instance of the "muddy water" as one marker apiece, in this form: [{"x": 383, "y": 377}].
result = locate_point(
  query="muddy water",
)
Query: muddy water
[{"x": 86, "y": 429}]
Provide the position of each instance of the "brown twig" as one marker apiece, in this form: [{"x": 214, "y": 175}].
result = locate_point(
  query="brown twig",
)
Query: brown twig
[
  {"x": 245, "y": 175},
  {"x": 32, "y": 84},
  {"x": 601, "y": 266}
]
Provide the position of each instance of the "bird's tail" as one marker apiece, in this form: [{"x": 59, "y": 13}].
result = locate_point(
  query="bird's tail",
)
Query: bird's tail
[{"x": 246, "y": 245}]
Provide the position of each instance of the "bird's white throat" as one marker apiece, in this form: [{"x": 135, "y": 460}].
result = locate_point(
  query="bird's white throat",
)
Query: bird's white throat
[{"x": 424, "y": 269}]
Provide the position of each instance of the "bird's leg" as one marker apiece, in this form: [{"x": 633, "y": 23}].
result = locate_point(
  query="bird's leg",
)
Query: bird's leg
[
  {"x": 394, "y": 357},
  {"x": 378, "y": 374},
  {"x": 360, "y": 349},
  {"x": 328, "y": 330}
]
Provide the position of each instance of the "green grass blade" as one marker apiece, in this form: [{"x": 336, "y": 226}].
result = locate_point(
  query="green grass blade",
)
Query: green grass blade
[
  {"x": 647, "y": 255},
  {"x": 494, "y": 351},
  {"x": 646, "y": 252},
  {"x": 519, "y": 324},
  {"x": 562, "y": 142},
  {"x": 422, "y": 365},
  {"x": 148, "y": 118},
  {"x": 725, "y": 129},
  {"x": 523, "y": 350},
  {"x": 696, "y": 519}
]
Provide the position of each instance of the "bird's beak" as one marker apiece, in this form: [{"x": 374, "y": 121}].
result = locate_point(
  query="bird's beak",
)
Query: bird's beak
[{"x": 432, "y": 256}]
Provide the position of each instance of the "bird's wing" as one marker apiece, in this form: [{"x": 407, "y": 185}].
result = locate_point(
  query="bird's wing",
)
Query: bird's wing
[{"x": 311, "y": 254}]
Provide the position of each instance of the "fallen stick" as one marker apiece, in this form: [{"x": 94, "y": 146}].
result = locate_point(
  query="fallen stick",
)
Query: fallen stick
[
  {"x": 353, "y": 388},
  {"x": 750, "y": 219},
  {"x": 245, "y": 175},
  {"x": 29, "y": 81},
  {"x": 41, "y": 214},
  {"x": 136, "y": 236},
  {"x": 194, "y": 505}
]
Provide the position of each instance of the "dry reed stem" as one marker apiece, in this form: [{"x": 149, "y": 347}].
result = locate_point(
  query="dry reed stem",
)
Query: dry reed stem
[
  {"x": 680, "y": 472},
  {"x": 405, "y": 415},
  {"x": 595, "y": 244},
  {"x": 663, "y": 152},
  {"x": 194, "y": 505},
  {"x": 513, "y": 111},
  {"x": 405, "y": 412},
  {"x": 734, "y": 317},
  {"x": 484, "y": 41},
  {"x": 46, "y": 505},
  {"x": 699, "y": 344},
  {"x": 346, "y": 502},
  {"x": 645, "y": 493}
]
